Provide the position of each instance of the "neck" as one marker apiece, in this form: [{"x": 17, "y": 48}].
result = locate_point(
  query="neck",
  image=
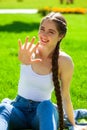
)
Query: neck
[{"x": 44, "y": 54}]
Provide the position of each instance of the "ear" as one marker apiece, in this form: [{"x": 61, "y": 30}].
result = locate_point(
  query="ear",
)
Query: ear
[{"x": 60, "y": 37}]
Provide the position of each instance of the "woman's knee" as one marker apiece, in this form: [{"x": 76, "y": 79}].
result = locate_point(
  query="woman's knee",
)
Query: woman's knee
[
  {"x": 5, "y": 110},
  {"x": 47, "y": 112},
  {"x": 46, "y": 108}
]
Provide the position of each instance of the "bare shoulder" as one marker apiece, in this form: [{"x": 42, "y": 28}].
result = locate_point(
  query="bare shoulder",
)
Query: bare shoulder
[{"x": 65, "y": 61}]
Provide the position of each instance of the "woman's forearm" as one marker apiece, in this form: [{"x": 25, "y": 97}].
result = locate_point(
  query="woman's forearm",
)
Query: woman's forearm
[{"x": 69, "y": 111}]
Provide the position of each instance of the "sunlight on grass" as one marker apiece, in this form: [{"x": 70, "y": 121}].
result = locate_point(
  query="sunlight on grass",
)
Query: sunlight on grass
[
  {"x": 13, "y": 27},
  {"x": 39, "y": 3}
]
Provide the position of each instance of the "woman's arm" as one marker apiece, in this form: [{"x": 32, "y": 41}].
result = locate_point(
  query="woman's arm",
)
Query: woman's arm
[{"x": 66, "y": 70}]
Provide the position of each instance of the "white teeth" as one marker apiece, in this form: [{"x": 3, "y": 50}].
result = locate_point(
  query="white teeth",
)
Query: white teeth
[{"x": 44, "y": 40}]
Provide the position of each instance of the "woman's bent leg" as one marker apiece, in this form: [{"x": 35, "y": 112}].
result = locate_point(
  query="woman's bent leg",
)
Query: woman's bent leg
[
  {"x": 3, "y": 124},
  {"x": 11, "y": 117},
  {"x": 5, "y": 111},
  {"x": 47, "y": 116}
]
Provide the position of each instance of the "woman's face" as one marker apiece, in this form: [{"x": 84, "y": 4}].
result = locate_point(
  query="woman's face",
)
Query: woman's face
[{"x": 48, "y": 34}]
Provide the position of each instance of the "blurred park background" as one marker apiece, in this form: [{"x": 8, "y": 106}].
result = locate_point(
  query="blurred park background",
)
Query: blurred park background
[{"x": 15, "y": 26}]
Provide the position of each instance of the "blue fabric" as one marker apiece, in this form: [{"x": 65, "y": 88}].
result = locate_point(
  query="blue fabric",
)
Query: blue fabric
[
  {"x": 78, "y": 114},
  {"x": 23, "y": 114}
]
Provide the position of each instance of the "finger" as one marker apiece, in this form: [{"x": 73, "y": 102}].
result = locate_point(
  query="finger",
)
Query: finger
[
  {"x": 37, "y": 44},
  {"x": 33, "y": 50},
  {"x": 32, "y": 42},
  {"x": 26, "y": 41},
  {"x": 33, "y": 39},
  {"x": 19, "y": 43}
]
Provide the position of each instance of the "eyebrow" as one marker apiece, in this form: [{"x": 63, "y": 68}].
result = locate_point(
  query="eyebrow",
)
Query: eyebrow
[
  {"x": 49, "y": 29},
  {"x": 52, "y": 30}
]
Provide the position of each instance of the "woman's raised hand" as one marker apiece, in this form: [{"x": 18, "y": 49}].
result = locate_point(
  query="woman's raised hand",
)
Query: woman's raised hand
[{"x": 27, "y": 50}]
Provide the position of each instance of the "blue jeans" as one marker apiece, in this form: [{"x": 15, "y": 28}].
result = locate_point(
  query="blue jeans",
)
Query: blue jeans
[{"x": 23, "y": 114}]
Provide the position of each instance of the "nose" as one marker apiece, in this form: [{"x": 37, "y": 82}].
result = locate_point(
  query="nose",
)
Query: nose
[{"x": 44, "y": 34}]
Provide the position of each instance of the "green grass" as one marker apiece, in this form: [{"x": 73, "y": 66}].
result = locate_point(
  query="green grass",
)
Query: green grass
[
  {"x": 13, "y": 27},
  {"x": 75, "y": 45},
  {"x": 40, "y": 3}
]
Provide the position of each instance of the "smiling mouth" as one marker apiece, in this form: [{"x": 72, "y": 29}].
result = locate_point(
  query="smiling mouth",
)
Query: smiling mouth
[{"x": 44, "y": 42}]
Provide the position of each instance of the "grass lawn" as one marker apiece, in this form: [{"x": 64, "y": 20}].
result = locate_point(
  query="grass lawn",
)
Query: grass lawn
[
  {"x": 40, "y": 3},
  {"x": 17, "y": 26}
]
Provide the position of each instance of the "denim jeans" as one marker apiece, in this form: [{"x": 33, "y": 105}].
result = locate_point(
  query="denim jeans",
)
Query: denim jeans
[{"x": 23, "y": 114}]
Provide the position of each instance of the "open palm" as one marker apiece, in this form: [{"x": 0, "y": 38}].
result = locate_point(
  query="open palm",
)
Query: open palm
[{"x": 27, "y": 50}]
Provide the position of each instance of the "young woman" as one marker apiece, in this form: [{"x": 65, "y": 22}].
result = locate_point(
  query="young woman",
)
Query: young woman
[{"x": 44, "y": 68}]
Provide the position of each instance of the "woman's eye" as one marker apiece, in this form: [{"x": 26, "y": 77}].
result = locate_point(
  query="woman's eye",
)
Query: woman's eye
[
  {"x": 51, "y": 32},
  {"x": 42, "y": 29}
]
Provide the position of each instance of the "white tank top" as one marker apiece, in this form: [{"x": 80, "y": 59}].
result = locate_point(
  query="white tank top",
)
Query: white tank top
[{"x": 34, "y": 86}]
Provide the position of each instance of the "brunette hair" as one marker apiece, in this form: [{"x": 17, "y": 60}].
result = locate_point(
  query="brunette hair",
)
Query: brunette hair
[{"x": 61, "y": 25}]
